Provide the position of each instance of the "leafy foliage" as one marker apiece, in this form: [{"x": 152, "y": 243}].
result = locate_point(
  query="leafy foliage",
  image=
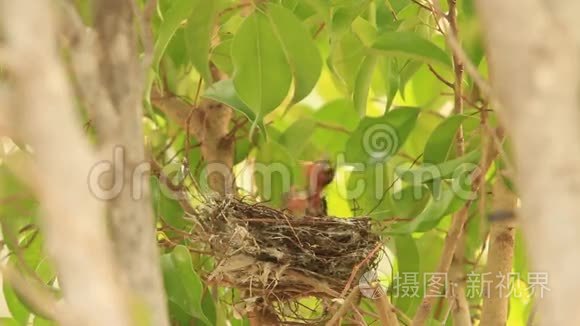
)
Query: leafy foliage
[{"x": 361, "y": 83}]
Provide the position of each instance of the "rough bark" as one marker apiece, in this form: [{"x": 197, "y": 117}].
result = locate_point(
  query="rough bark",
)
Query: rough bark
[
  {"x": 499, "y": 258},
  {"x": 72, "y": 219},
  {"x": 534, "y": 65}
]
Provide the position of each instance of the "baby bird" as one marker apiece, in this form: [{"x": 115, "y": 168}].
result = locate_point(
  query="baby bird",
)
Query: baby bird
[{"x": 311, "y": 202}]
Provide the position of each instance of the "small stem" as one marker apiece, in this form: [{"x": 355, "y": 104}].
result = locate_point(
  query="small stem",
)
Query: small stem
[
  {"x": 352, "y": 296},
  {"x": 387, "y": 313}
]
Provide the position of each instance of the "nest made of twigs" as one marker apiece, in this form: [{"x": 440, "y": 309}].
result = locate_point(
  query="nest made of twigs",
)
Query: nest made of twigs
[{"x": 273, "y": 256}]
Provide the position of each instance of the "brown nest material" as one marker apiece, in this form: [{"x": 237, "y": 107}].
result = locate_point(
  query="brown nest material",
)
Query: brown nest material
[{"x": 275, "y": 257}]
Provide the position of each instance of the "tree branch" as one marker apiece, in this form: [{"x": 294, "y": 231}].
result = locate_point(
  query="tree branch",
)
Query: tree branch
[
  {"x": 387, "y": 313},
  {"x": 451, "y": 241},
  {"x": 344, "y": 308}
]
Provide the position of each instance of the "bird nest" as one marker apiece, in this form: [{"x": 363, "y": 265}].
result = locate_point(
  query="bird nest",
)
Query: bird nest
[{"x": 276, "y": 258}]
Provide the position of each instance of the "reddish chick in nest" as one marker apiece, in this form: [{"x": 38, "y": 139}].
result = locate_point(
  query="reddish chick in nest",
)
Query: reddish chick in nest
[{"x": 311, "y": 202}]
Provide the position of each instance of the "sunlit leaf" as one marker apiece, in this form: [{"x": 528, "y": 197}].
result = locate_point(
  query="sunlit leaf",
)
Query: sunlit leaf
[
  {"x": 337, "y": 120},
  {"x": 166, "y": 208},
  {"x": 297, "y": 136},
  {"x": 221, "y": 56},
  {"x": 408, "y": 262},
  {"x": 224, "y": 92},
  {"x": 5, "y": 321},
  {"x": 172, "y": 20},
  {"x": 440, "y": 144},
  {"x": 301, "y": 52},
  {"x": 183, "y": 285},
  {"x": 346, "y": 57},
  {"x": 409, "y": 201},
  {"x": 430, "y": 216},
  {"x": 275, "y": 172},
  {"x": 412, "y": 46},
  {"x": 262, "y": 75},
  {"x": 17, "y": 309},
  {"x": 198, "y": 33},
  {"x": 363, "y": 83},
  {"x": 445, "y": 170},
  {"x": 377, "y": 139}
]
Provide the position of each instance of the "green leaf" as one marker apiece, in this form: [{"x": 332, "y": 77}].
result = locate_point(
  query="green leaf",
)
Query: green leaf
[
  {"x": 242, "y": 148},
  {"x": 221, "y": 56},
  {"x": 166, "y": 208},
  {"x": 39, "y": 321},
  {"x": 275, "y": 172},
  {"x": 297, "y": 136},
  {"x": 439, "y": 146},
  {"x": 178, "y": 315},
  {"x": 365, "y": 31},
  {"x": 9, "y": 322},
  {"x": 520, "y": 255},
  {"x": 179, "y": 11},
  {"x": 339, "y": 120},
  {"x": 430, "y": 216},
  {"x": 17, "y": 309},
  {"x": 410, "y": 201},
  {"x": 408, "y": 261},
  {"x": 183, "y": 285},
  {"x": 224, "y": 92},
  {"x": 321, "y": 7},
  {"x": 198, "y": 34},
  {"x": 409, "y": 68},
  {"x": 367, "y": 188},
  {"x": 346, "y": 57},
  {"x": 262, "y": 76},
  {"x": 301, "y": 52},
  {"x": 391, "y": 79},
  {"x": 239, "y": 322},
  {"x": 209, "y": 308},
  {"x": 344, "y": 14},
  {"x": 412, "y": 46},
  {"x": 19, "y": 207},
  {"x": 363, "y": 84},
  {"x": 445, "y": 170},
  {"x": 377, "y": 139}
]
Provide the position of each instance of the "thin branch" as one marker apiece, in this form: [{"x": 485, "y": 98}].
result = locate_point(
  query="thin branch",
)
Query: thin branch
[
  {"x": 459, "y": 305},
  {"x": 319, "y": 30},
  {"x": 329, "y": 126},
  {"x": 458, "y": 51},
  {"x": 346, "y": 305},
  {"x": 387, "y": 313},
  {"x": 438, "y": 76},
  {"x": 38, "y": 298},
  {"x": 451, "y": 241},
  {"x": 424, "y": 6}
]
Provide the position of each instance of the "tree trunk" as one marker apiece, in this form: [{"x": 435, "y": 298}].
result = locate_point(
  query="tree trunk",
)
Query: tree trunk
[
  {"x": 534, "y": 65},
  {"x": 72, "y": 219}
]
